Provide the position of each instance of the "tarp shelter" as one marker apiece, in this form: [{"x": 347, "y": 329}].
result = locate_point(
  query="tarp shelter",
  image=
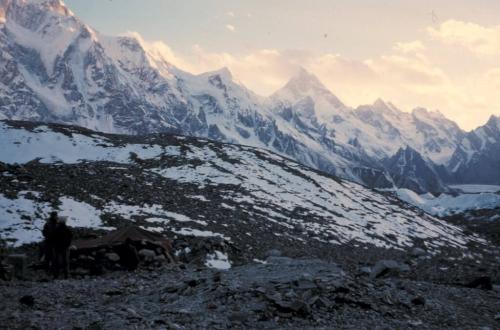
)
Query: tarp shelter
[{"x": 119, "y": 236}]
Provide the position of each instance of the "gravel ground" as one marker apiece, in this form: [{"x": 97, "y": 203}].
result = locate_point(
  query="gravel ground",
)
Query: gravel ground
[{"x": 282, "y": 294}]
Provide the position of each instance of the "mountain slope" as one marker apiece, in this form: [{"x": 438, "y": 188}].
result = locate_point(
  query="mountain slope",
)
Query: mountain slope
[
  {"x": 409, "y": 169},
  {"x": 477, "y": 158},
  {"x": 55, "y": 68},
  {"x": 191, "y": 186}
]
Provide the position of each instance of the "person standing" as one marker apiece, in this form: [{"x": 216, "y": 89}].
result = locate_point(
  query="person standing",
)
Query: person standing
[
  {"x": 48, "y": 242},
  {"x": 62, "y": 241}
]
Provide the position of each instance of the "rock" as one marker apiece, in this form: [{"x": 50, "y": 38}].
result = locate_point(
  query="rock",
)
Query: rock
[
  {"x": 113, "y": 293},
  {"x": 274, "y": 253},
  {"x": 418, "y": 252},
  {"x": 419, "y": 301},
  {"x": 299, "y": 227},
  {"x": 132, "y": 313},
  {"x": 238, "y": 317},
  {"x": 365, "y": 271},
  {"x": 300, "y": 307},
  {"x": 483, "y": 282},
  {"x": 27, "y": 300},
  {"x": 160, "y": 258},
  {"x": 112, "y": 257},
  {"x": 416, "y": 323},
  {"x": 279, "y": 260},
  {"x": 388, "y": 267},
  {"x": 147, "y": 255}
]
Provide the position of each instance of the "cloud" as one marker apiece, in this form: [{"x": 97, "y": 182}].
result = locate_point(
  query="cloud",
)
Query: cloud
[
  {"x": 478, "y": 39},
  {"x": 230, "y": 27},
  {"x": 410, "y": 47}
]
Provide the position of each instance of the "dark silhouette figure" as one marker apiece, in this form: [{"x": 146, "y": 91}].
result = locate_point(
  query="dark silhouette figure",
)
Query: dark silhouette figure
[
  {"x": 62, "y": 241},
  {"x": 48, "y": 242},
  {"x": 129, "y": 258}
]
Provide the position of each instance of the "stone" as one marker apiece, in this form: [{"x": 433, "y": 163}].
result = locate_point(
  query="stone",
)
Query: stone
[
  {"x": 27, "y": 300},
  {"x": 365, "y": 271},
  {"x": 483, "y": 282},
  {"x": 238, "y": 317},
  {"x": 388, "y": 267},
  {"x": 112, "y": 257},
  {"x": 418, "y": 252},
  {"x": 160, "y": 258},
  {"x": 299, "y": 227},
  {"x": 132, "y": 313},
  {"x": 147, "y": 255},
  {"x": 419, "y": 301},
  {"x": 300, "y": 306},
  {"x": 274, "y": 253}
]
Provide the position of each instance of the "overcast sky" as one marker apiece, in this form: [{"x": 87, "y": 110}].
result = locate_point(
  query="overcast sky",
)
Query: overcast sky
[{"x": 441, "y": 54}]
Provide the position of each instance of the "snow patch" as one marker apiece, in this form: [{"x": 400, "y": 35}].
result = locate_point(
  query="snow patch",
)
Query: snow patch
[{"x": 218, "y": 260}]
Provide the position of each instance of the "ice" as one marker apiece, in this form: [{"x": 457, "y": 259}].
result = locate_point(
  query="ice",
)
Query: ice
[{"x": 447, "y": 204}]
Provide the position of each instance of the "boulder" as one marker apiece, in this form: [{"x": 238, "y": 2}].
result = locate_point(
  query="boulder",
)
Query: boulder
[
  {"x": 418, "y": 252},
  {"x": 483, "y": 282},
  {"x": 112, "y": 257},
  {"x": 388, "y": 267},
  {"x": 147, "y": 255}
]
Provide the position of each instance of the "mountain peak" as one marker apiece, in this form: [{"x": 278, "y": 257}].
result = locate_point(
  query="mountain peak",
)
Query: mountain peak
[
  {"x": 303, "y": 80},
  {"x": 224, "y": 73},
  {"x": 54, "y": 6},
  {"x": 381, "y": 105},
  {"x": 494, "y": 122},
  {"x": 305, "y": 84},
  {"x": 421, "y": 112}
]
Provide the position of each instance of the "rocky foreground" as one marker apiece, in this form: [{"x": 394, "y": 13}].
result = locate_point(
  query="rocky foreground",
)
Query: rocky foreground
[
  {"x": 240, "y": 203},
  {"x": 283, "y": 293}
]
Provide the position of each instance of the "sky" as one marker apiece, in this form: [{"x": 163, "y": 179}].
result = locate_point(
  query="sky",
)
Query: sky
[{"x": 442, "y": 55}]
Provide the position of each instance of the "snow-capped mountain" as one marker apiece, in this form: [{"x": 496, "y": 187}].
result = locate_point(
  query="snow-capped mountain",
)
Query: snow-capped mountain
[
  {"x": 234, "y": 192},
  {"x": 55, "y": 68},
  {"x": 409, "y": 169},
  {"x": 477, "y": 158}
]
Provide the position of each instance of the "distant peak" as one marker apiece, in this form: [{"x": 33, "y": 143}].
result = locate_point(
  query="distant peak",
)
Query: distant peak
[
  {"x": 494, "y": 118},
  {"x": 420, "y": 111},
  {"x": 423, "y": 112},
  {"x": 305, "y": 84},
  {"x": 494, "y": 122},
  {"x": 56, "y": 6},
  {"x": 224, "y": 73},
  {"x": 385, "y": 107},
  {"x": 24, "y": 12},
  {"x": 303, "y": 80},
  {"x": 380, "y": 104}
]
